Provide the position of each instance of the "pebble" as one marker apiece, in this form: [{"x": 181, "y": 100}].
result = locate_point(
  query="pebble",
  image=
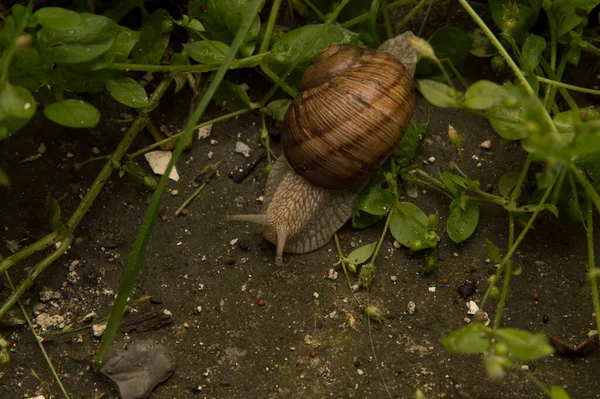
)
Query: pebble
[
  {"x": 431, "y": 289},
  {"x": 261, "y": 302},
  {"x": 412, "y": 307},
  {"x": 396, "y": 244},
  {"x": 313, "y": 353},
  {"x": 394, "y": 278},
  {"x": 316, "y": 295},
  {"x": 241, "y": 148},
  {"x": 360, "y": 372},
  {"x": 233, "y": 242},
  {"x": 431, "y": 159},
  {"x": 332, "y": 274},
  {"x": 98, "y": 329},
  {"x": 467, "y": 289},
  {"x": 545, "y": 319},
  {"x": 174, "y": 192},
  {"x": 472, "y": 307},
  {"x": 213, "y": 142},
  {"x": 210, "y": 155},
  {"x": 95, "y": 150},
  {"x": 204, "y": 131},
  {"x": 486, "y": 144}
]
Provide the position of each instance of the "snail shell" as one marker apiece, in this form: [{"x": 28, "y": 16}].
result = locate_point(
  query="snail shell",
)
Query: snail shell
[
  {"x": 351, "y": 113},
  {"x": 352, "y": 110}
]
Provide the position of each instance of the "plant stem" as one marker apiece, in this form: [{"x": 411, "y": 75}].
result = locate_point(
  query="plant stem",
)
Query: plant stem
[
  {"x": 176, "y": 136},
  {"x": 587, "y": 186},
  {"x": 247, "y": 62},
  {"x": 34, "y": 273},
  {"x": 141, "y": 241},
  {"x": 568, "y": 86},
  {"x": 190, "y": 198},
  {"x": 411, "y": 15},
  {"x": 9, "y": 51},
  {"x": 315, "y": 9},
  {"x": 556, "y": 77},
  {"x": 592, "y": 263},
  {"x": 264, "y": 45},
  {"x": 344, "y": 268},
  {"x": 385, "y": 229},
  {"x": 307, "y": 47},
  {"x": 292, "y": 91},
  {"x": 386, "y": 18},
  {"x": 29, "y": 250},
  {"x": 39, "y": 342},
  {"x": 362, "y": 17}
]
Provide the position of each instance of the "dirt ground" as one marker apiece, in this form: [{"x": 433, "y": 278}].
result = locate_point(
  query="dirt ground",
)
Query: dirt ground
[{"x": 234, "y": 348}]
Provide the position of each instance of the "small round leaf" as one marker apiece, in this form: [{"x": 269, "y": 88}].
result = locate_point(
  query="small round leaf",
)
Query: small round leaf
[
  {"x": 59, "y": 18},
  {"x": 127, "y": 91},
  {"x": 73, "y": 113}
]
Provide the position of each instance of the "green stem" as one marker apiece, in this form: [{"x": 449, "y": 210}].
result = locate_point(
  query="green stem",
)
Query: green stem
[
  {"x": 29, "y": 250},
  {"x": 518, "y": 73},
  {"x": 356, "y": 20},
  {"x": 592, "y": 263},
  {"x": 7, "y": 54},
  {"x": 411, "y": 15},
  {"x": 344, "y": 268},
  {"x": 385, "y": 229},
  {"x": 190, "y": 198},
  {"x": 174, "y": 137},
  {"x": 115, "y": 158},
  {"x": 385, "y": 11},
  {"x": 292, "y": 91},
  {"x": 587, "y": 186},
  {"x": 141, "y": 241},
  {"x": 264, "y": 45},
  {"x": 39, "y": 341},
  {"x": 516, "y": 191},
  {"x": 248, "y": 62},
  {"x": 307, "y": 47},
  {"x": 553, "y": 34},
  {"x": 563, "y": 92},
  {"x": 34, "y": 273},
  {"x": 568, "y": 86},
  {"x": 315, "y": 10}
]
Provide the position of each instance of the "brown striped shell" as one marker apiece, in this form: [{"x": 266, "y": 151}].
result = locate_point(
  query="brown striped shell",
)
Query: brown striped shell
[{"x": 351, "y": 112}]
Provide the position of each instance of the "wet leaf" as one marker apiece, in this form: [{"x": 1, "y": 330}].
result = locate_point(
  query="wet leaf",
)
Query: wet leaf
[
  {"x": 285, "y": 51},
  {"x": 533, "y": 47},
  {"x": 484, "y": 94},
  {"x": 118, "y": 52},
  {"x": 440, "y": 94},
  {"x": 482, "y": 47},
  {"x": 375, "y": 199},
  {"x": 73, "y": 113},
  {"x": 17, "y": 106},
  {"x": 462, "y": 220},
  {"x": 364, "y": 219},
  {"x": 406, "y": 149},
  {"x": 493, "y": 251},
  {"x": 128, "y": 92},
  {"x": 408, "y": 225},
  {"x": 59, "y": 18},
  {"x": 523, "y": 345},
  {"x": 450, "y": 184},
  {"x": 277, "y": 108},
  {"x": 222, "y": 19},
  {"x": 557, "y": 392},
  {"x": 472, "y": 338},
  {"x": 362, "y": 254},
  {"x": 231, "y": 97},
  {"x": 153, "y": 38},
  {"x": 78, "y": 45},
  {"x": 507, "y": 183},
  {"x": 207, "y": 52},
  {"x": 508, "y": 121}
]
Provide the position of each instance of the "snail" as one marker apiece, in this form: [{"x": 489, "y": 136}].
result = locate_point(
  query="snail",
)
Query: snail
[{"x": 353, "y": 107}]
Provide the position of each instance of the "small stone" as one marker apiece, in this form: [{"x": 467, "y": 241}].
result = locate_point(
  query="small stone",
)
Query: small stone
[
  {"x": 431, "y": 289},
  {"x": 431, "y": 159},
  {"x": 360, "y": 372},
  {"x": 98, "y": 329},
  {"x": 89, "y": 317},
  {"x": 467, "y": 289},
  {"x": 412, "y": 307},
  {"x": 210, "y": 155},
  {"x": 455, "y": 254},
  {"x": 260, "y": 199},
  {"x": 174, "y": 192},
  {"x": 312, "y": 353},
  {"x": 536, "y": 296},
  {"x": 488, "y": 260},
  {"x": 204, "y": 131},
  {"x": 164, "y": 218},
  {"x": 261, "y": 302},
  {"x": 332, "y": 274},
  {"x": 472, "y": 307},
  {"x": 95, "y": 150},
  {"x": 467, "y": 320},
  {"x": 486, "y": 144},
  {"x": 156, "y": 301},
  {"x": 545, "y": 319},
  {"x": 479, "y": 165},
  {"x": 233, "y": 242},
  {"x": 213, "y": 142},
  {"x": 316, "y": 295},
  {"x": 525, "y": 367},
  {"x": 46, "y": 296},
  {"x": 445, "y": 281},
  {"x": 396, "y": 244},
  {"x": 184, "y": 212},
  {"x": 70, "y": 155},
  {"x": 475, "y": 157},
  {"x": 241, "y": 148}
]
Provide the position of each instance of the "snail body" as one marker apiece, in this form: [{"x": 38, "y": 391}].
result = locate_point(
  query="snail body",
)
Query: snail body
[{"x": 351, "y": 112}]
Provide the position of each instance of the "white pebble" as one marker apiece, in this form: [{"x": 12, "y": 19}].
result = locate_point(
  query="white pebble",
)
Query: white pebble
[
  {"x": 241, "y": 148},
  {"x": 174, "y": 192},
  {"x": 394, "y": 278},
  {"x": 486, "y": 144},
  {"x": 431, "y": 289},
  {"x": 316, "y": 295},
  {"x": 431, "y": 159},
  {"x": 412, "y": 307}
]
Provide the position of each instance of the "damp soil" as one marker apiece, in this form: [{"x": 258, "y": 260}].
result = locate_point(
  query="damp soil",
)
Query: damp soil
[{"x": 241, "y": 327}]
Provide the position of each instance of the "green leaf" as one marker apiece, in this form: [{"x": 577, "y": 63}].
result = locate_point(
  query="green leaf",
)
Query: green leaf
[
  {"x": 285, "y": 51},
  {"x": 449, "y": 183},
  {"x": 567, "y": 18},
  {"x": 73, "y": 113},
  {"x": 231, "y": 97},
  {"x": 118, "y": 52},
  {"x": 361, "y": 254},
  {"x": 532, "y": 52},
  {"x": 566, "y": 122},
  {"x": 17, "y": 106},
  {"x": 207, "y": 52},
  {"x": 521, "y": 14},
  {"x": 4, "y": 180},
  {"x": 128, "y": 92},
  {"x": 583, "y": 3},
  {"x": 406, "y": 149},
  {"x": 222, "y": 19},
  {"x": 507, "y": 183},
  {"x": 484, "y": 94},
  {"x": 440, "y": 94},
  {"x": 59, "y": 18},
  {"x": 277, "y": 108},
  {"x": 153, "y": 38},
  {"x": 447, "y": 42},
  {"x": 462, "y": 220},
  {"x": 363, "y": 219},
  {"x": 482, "y": 46},
  {"x": 408, "y": 225},
  {"x": 54, "y": 214},
  {"x": 508, "y": 121},
  {"x": 473, "y": 338},
  {"x": 523, "y": 345},
  {"x": 493, "y": 251},
  {"x": 375, "y": 199},
  {"x": 78, "y": 45},
  {"x": 557, "y": 392}
]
